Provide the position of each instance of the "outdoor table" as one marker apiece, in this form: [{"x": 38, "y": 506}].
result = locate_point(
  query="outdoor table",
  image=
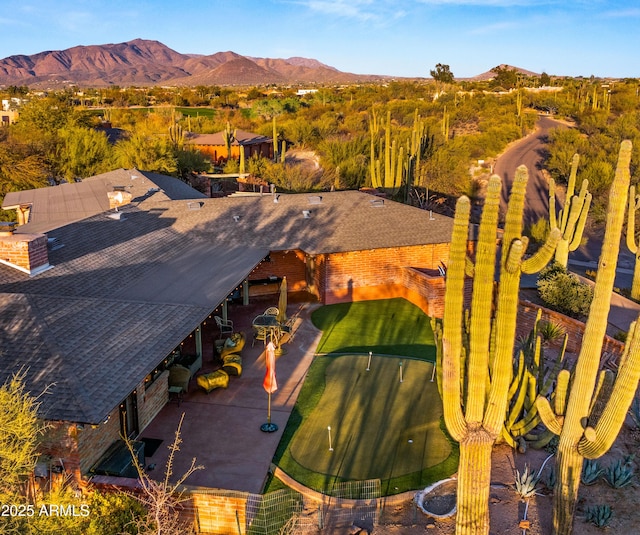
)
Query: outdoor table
[{"x": 269, "y": 322}]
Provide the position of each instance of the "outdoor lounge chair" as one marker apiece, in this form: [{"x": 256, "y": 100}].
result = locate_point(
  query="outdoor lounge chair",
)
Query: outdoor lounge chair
[
  {"x": 271, "y": 311},
  {"x": 225, "y": 326},
  {"x": 233, "y": 344},
  {"x": 179, "y": 377}
]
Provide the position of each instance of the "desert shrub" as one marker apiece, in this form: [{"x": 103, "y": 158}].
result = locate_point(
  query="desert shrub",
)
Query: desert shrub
[
  {"x": 563, "y": 291},
  {"x": 539, "y": 230}
]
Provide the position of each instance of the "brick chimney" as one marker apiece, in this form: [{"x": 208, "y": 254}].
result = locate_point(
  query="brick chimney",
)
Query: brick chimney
[{"x": 26, "y": 252}]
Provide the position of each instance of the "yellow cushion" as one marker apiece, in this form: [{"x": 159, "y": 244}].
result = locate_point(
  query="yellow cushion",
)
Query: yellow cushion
[
  {"x": 210, "y": 381},
  {"x": 232, "y": 364}
]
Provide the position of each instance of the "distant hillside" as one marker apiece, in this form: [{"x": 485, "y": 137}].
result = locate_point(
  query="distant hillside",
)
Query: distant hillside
[
  {"x": 489, "y": 75},
  {"x": 144, "y": 62}
]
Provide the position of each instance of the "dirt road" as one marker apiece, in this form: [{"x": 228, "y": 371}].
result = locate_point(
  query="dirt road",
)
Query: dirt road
[{"x": 530, "y": 151}]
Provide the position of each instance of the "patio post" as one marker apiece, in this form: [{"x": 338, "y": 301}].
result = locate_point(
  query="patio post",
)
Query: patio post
[
  {"x": 245, "y": 292},
  {"x": 225, "y": 310},
  {"x": 199, "y": 340}
]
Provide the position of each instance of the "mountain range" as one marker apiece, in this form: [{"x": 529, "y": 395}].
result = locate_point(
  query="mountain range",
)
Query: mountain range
[{"x": 145, "y": 62}]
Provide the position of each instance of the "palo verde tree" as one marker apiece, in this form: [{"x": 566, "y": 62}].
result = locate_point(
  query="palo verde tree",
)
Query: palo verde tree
[
  {"x": 587, "y": 414},
  {"x": 442, "y": 73},
  {"x": 477, "y": 348}
]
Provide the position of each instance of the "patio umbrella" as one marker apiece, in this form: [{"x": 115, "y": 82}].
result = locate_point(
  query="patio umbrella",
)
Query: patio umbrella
[
  {"x": 270, "y": 384},
  {"x": 282, "y": 301}
]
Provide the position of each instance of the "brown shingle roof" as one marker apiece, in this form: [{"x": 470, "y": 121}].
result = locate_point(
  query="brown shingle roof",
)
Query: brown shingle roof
[
  {"x": 55, "y": 206},
  {"x": 123, "y": 293}
]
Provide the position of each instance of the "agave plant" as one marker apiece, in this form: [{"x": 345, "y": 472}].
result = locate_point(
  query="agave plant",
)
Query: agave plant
[
  {"x": 591, "y": 471},
  {"x": 598, "y": 515},
  {"x": 526, "y": 482},
  {"x": 619, "y": 474}
]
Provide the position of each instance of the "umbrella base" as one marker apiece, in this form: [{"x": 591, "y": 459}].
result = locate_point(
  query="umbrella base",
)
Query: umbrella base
[{"x": 268, "y": 428}]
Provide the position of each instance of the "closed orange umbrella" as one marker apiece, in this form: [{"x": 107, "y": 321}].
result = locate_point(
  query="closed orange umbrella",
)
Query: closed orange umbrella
[
  {"x": 282, "y": 301},
  {"x": 270, "y": 384}
]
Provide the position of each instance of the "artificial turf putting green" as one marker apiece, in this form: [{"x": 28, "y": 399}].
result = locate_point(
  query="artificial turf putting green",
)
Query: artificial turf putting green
[
  {"x": 381, "y": 428},
  {"x": 386, "y": 326}
]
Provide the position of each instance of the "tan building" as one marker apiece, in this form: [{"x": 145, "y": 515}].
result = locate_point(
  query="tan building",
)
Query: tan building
[{"x": 214, "y": 147}]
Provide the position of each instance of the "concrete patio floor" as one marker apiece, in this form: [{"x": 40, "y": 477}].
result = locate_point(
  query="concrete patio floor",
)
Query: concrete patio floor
[{"x": 222, "y": 429}]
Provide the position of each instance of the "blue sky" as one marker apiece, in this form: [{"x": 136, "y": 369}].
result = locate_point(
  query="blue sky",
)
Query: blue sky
[{"x": 392, "y": 37}]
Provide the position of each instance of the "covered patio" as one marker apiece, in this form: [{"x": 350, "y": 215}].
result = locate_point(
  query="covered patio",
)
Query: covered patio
[{"x": 222, "y": 429}]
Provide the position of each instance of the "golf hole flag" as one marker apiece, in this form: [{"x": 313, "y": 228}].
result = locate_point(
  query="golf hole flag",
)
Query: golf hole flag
[{"x": 269, "y": 383}]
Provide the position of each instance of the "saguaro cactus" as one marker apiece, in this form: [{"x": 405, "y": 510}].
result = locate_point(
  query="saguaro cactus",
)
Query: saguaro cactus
[
  {"x": 474, "y": 410},
  {"x": 572, "y": 218},
  {"x": 176, "y": 135},
  {"x": 229, "y": 137},
  {"x": 632, "y": 245},
  {"x": 532, "y": 378},
  {"x": 585, "y": 430}
]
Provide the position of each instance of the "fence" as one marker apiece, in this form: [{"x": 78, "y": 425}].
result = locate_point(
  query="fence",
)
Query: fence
[{"x": 286, "y": 511}]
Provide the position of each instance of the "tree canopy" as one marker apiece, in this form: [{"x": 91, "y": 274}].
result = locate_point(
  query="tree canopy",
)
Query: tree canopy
[{"x": 442, "y": 73}]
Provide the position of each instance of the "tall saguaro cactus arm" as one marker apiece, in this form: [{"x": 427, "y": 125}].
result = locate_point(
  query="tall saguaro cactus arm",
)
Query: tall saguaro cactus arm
[
  {"x": 453, "y": 321},
  {"x": 573, "y": 216},
  {"x": 578, "y": 439},
  {"x": 613, "y": 416},
  {"x": 632, "y": 245},
  {"x": 479, "y": 345}
]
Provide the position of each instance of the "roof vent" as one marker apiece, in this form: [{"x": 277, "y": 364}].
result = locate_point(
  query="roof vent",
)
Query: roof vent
[
  {"x": 276, "y": 198},
  {"x": 119, "y": 188},
  {"x": 236, "y": 218},
  {"x": 194, "y": 205},
  {"x": 54, "y": 244},
  {"x": 153, "y": 190},
  {"x": 118, "y": 216},
  {"x": 315, "y": 199},
  {"x": 306, "y": 214},
  {"x": 377, "y": 203}
]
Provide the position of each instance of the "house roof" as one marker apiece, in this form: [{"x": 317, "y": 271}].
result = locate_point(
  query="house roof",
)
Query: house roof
[
  {"x": 123, "y": 293},
  {"x": 217, "y": 139},
  {"x": 58, "y": 205}
]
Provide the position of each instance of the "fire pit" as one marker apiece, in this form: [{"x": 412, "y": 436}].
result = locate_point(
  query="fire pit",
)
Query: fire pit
[{"x": 439, "y": 499}]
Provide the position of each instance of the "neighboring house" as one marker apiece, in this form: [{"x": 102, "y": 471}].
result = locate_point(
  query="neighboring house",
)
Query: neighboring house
[
  {"x": 8, "y": 117},
  {"x": 213, "y": 145},
  {"x": 93, "y": 306}
]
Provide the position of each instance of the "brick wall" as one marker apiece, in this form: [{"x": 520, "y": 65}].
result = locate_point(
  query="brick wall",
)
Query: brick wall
[
  {"x": 151, "y": 400},
  {"x": 375, "y": 273},
  {"x": 290, "y": 264},
  {"x": 218, "y": 514},
  {"x": 528, "y": 311},
  {"x": 94, "y": 440},
  {"x": 27, "y": 252}
]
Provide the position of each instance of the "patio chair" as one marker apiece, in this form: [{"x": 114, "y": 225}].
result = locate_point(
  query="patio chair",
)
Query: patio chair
[
  {"x": 271, "y": 311},
  {"x": 179, "y": 377},
  {"x": 225, "y": 326},
  {"x": 260, "y": 333}
]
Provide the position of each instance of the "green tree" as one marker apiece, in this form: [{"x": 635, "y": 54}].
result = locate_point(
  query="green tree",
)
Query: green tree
[
  {"x": 82, "y": 152},
  {"x": 20, "y": 431},
  {"x": 442, "y": 73},
  {"x": 147, "y": 153},
  {"x": 504, "y": 77}
]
